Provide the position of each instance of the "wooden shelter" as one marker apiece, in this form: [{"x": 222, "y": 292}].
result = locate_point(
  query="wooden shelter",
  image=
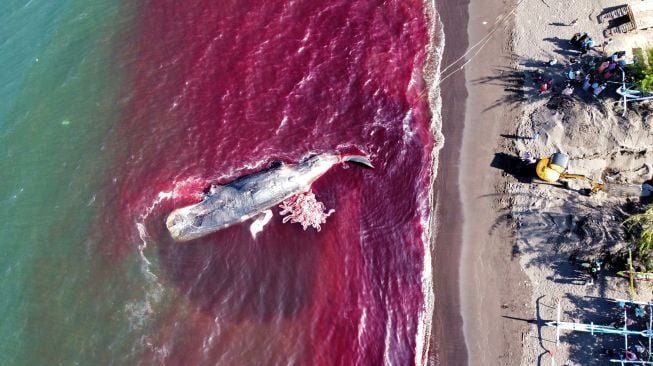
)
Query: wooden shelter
[{"x": 635, "y": 15}]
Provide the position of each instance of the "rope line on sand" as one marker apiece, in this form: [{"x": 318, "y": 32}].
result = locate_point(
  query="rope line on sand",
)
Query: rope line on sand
[
  {"x": 478, "y": 46},
  {"x": 466, "y": 61}
]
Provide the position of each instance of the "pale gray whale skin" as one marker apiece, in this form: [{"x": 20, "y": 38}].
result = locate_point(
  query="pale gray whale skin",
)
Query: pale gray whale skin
[{"x": 245, "y": 197}]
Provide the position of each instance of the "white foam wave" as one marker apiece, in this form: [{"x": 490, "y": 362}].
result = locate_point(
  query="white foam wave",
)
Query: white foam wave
[
  {"x": 405, "y": 123},
  {"x": 140, "y": 311},
  {"x": 387, "y": 341},
  {"x": 282, "y": 124},
  {"x": 432, "y": 77},
  {"x": 361, "y": 326},
  {"x": 142, "y": 233},
  {"x": 167, "y": 195}
]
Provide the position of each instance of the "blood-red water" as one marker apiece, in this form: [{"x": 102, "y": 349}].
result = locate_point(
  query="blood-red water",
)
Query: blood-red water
[{"x": 220, "y": 89}]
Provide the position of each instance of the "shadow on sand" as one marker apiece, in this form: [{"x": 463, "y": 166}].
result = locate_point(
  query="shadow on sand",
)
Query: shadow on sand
[
  {"x": 522, "y": 84},
  {"x": 563, "y": 46},
  {"x": 515, "y": 166}
]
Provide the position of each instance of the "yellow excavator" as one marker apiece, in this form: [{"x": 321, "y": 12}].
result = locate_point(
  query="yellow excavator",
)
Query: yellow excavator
[{"x": 553, "y": 169}]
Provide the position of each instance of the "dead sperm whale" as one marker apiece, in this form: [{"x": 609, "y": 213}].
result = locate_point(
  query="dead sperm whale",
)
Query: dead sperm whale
[{"x": 245, "y": 197}]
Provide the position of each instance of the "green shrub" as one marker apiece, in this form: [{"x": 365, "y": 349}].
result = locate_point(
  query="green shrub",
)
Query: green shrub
[
  {"x": 642, "y": 71},
  {"x": 641, "y": 225}
]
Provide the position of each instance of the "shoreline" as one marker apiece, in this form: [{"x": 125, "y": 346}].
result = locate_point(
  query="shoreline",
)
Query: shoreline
[
  {"x": 477, "y": 279},
  {"x": 447, "y": 344},
  {"x": 493, "y": 283}
]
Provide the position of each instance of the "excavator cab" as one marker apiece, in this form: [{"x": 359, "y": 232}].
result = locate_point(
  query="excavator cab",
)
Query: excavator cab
[
  {"x": 553, "y": 169},
  {"x": 550, "y": 168}
]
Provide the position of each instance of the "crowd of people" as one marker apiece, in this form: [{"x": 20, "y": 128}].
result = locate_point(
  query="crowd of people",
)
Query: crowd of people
[
  {"x": 635, "y": 352},
  {"x": 592, "y": 74}
]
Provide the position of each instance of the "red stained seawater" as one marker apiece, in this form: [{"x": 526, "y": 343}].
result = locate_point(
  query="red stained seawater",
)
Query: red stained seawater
[{"x": 220, "y": 89}]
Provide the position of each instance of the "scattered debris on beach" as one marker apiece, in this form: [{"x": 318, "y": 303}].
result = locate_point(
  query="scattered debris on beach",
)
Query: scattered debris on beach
[
  {"x": 566, "y": 80},
  {"x": 632, "y": 319}
]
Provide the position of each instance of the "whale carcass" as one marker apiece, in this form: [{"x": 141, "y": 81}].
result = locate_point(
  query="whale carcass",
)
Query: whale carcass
[{"x": 250, "y": 195}]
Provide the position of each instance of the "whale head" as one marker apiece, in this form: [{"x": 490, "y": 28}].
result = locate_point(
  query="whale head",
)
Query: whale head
[{"x": 315, "y": 166}]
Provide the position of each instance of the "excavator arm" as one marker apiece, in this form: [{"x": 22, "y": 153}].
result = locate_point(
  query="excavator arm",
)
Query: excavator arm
[{"x": 596, "y": 186}]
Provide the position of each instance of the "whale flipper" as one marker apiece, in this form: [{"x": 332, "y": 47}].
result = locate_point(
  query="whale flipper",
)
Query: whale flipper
[
  {"x": 359, "y": 159},
  {"x": 260, "y": 221}
]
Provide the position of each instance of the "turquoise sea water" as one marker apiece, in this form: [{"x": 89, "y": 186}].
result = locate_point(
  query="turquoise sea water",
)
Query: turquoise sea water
[
  {"x": 59, "y": 77},
  {"x": 90, "y": 151}
]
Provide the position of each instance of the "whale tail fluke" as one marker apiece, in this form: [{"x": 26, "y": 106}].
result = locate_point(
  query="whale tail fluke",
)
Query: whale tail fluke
[{"x": 358, "y": 159}]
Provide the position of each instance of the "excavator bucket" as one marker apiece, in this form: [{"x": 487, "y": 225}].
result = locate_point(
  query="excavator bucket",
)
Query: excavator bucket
[{"x": 597, "y": 187}]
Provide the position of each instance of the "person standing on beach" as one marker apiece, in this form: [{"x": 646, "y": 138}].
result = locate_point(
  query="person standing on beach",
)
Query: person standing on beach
[
  {"x": 569, "y": 90},
  {"x": 598, "y": 89},
  {"x": 587, "y": 83},
  {"x": 546, "y": 86},
  {"x": 576, "y": 39}
]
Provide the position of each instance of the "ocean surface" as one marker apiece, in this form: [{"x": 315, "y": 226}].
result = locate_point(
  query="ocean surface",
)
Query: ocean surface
[{"x": 113, "y": 113}]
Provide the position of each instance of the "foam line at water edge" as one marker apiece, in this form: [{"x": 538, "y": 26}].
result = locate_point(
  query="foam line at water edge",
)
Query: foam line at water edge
[{"x": 432, "y": 77}]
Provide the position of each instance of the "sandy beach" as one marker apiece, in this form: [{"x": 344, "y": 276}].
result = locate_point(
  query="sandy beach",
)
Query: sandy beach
[
  {"x": 472, "y": 267},
  {"x": 556, "y": 228},
  {"x": 447, "y": 340},
  {"x": 493, "y": 284},
  {"x": 509, "y": 248}
]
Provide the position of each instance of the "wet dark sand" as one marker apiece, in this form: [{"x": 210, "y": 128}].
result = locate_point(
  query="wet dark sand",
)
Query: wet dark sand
[{"x": 447, "y": 341}]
